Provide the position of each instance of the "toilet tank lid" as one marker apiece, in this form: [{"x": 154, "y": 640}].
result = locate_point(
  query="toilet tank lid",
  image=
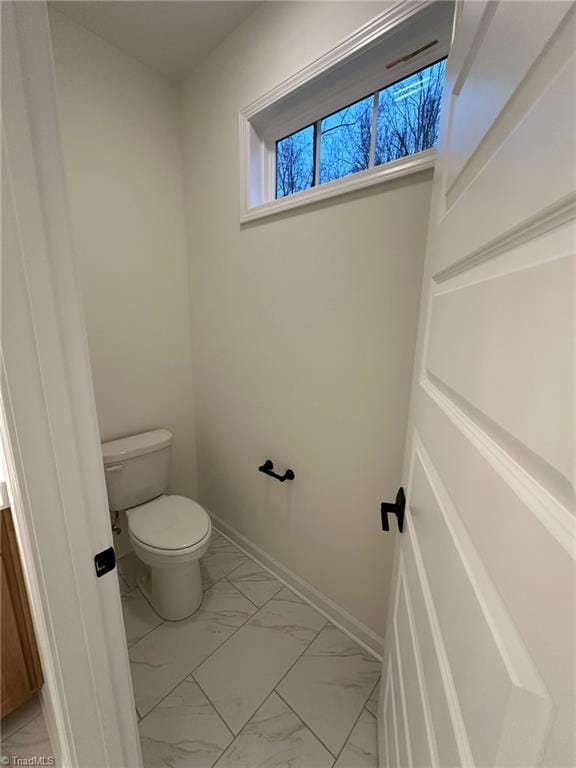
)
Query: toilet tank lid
[{"x": 135, "y": 445}]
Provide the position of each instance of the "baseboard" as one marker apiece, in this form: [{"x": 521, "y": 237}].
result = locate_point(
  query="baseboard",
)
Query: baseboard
[{"x": 355, "y": 629}]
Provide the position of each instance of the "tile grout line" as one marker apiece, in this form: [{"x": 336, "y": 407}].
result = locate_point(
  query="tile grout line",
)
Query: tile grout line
[
  {"x": 351, "y": 730},
  {"x": 121, "y": 576},
  {"x": 358, "y": 718},
  {"x": 225, "y": 576},
  {"x": 20, "y": 727},
  {"x": 289, "y": 668},
  {"x": 258, "y": 608},
  {"x": 230, "y": 731},
  {"x": 248, "y": 598},
  {"x": 164, "y": 621},
  {"x": 311, "y": 602},
  {"x": 191, "y": 672},
  {"x": 302, "y": 654},
  {"x": 274, "y": 690},
  {"x": 131, "y": 645},
  {"x": 45, "y": 741},
  {"x": 123, "y": 580},
  {"x": 308, "y": 724},
  {"x": 305, "y": 724},
  {"x": 228, "y": 575},
  {"x": 157, "y": 626},
  {"x": 212, "y": 584},
  {"x": 377, "y": 683},
  {"x": 190, "y": 675},
  {"x": 282, "y": 678},
  {"x": 194, "y": 669}
]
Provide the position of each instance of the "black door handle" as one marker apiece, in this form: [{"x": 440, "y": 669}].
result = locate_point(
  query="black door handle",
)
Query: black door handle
[{"x": 397, "y": 509}]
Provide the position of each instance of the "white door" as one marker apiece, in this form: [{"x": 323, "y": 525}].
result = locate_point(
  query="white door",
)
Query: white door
[
  {"x": 48, "y": 422},
  {"x": 479, "y": 656}
]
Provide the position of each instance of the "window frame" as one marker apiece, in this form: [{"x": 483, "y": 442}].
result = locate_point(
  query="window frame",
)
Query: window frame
[
  {"x": 349, "y": 79},
  {"x": 317, "y": 135}
]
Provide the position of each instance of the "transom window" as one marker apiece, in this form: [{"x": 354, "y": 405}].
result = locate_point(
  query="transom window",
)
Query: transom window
[
  {"x": 365, "y": 112},
  {"x": 401, "y": 119}
]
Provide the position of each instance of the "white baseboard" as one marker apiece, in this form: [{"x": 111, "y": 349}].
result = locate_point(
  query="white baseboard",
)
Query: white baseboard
[{"x": 355, "y": 629}]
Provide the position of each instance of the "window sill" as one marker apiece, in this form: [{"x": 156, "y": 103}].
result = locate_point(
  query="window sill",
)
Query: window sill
[{"x": 389, "y": 172}]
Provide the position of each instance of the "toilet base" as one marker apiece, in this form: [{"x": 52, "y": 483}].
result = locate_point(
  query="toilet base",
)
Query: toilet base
[{"x": 174, "y": 593}]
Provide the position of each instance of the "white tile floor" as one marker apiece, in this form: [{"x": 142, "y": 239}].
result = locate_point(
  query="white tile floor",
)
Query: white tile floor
[
  {"x": 24, "y": 734},
  {"x": 256, "y": 678}
]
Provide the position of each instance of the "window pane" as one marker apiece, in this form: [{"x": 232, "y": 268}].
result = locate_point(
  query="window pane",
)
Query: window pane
[
  {"x": 295, "y": 162},
  {"x": 408, "y": 114},
  {"x": 345, "y": 141}
]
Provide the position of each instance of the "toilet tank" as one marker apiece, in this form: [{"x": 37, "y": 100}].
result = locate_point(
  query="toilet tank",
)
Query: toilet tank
[{"x": 136, "y": 468}]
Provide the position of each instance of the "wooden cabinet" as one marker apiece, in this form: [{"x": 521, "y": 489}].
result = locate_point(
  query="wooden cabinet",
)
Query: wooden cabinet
[{"x": 21, "y": 674}]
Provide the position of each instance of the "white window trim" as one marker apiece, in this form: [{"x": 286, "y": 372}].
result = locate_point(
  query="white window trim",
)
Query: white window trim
[
  {"x": 416, "y": 163},
  {"x": 257, "y": 158}
]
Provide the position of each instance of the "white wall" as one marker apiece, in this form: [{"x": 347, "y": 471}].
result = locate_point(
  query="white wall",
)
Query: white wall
[
  {"x": 122, "y": 153},
  {"x": 303, "y": 328}
]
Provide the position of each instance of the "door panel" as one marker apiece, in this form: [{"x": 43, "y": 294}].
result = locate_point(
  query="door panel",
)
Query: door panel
[
  {"x": 404, "y": 751},
  {"x": 480, "y": 641},
  {"x": 482, "y": 342},
  {"x": 493, "y": 675},
  {"x": 445, "y": 715},
  {"x": 525, "y": 156},
  {"x": 422, "y": 748},
  {"x": 500, "y": 58}
]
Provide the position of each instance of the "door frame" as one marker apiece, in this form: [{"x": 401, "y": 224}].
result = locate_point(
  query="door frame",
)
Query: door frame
[{"x": 49, "y": 425}]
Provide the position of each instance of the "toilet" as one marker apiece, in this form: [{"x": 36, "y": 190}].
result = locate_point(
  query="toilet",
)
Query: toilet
[{"x": 169, "y": 533}]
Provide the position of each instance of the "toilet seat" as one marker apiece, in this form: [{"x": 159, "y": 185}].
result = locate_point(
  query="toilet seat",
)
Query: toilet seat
[{"x": 169, "y": 524}]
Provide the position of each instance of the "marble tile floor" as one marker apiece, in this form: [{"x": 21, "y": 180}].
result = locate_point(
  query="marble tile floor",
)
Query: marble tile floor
[
  {"x": 256, "y": 678},
  {"x": 23, "y": 735}
]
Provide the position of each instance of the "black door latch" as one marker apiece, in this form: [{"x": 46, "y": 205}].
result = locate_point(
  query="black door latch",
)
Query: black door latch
[
  {"x": 397, "y": 508},
  {"x": 105, "y": 561}
]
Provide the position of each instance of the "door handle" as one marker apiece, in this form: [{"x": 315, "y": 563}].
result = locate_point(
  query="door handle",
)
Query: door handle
[{"x": 397, "y": 508}]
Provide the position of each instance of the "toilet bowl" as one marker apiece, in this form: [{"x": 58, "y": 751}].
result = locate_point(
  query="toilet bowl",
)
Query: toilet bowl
[{"x": 168, "y": 533}]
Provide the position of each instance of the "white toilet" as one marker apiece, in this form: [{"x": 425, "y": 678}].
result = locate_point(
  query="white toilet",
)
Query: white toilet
[{"x": 168, "y": 533}]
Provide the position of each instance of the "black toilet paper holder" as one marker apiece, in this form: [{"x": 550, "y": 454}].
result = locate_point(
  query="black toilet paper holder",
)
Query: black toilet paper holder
[{"x": 268, "y": 469}]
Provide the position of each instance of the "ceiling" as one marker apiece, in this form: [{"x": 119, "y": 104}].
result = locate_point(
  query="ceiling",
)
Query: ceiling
[{"x": 169, "y": 36}]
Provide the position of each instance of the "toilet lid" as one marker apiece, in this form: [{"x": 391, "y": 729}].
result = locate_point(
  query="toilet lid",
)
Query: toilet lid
[{"x": 169, "y": 522}]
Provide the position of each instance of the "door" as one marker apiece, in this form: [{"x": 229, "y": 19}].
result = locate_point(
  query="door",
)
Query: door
[{"x": 479, "y": 655}]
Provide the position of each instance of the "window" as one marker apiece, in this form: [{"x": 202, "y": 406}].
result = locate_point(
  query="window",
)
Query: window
[
  {"x": 365, "y": 112},
  {"x": 295, "y": 162},
  {"x": 409, "y": 114},
  {"x": 400, "y": 120},
  {"x": 345, "y": 141}
]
